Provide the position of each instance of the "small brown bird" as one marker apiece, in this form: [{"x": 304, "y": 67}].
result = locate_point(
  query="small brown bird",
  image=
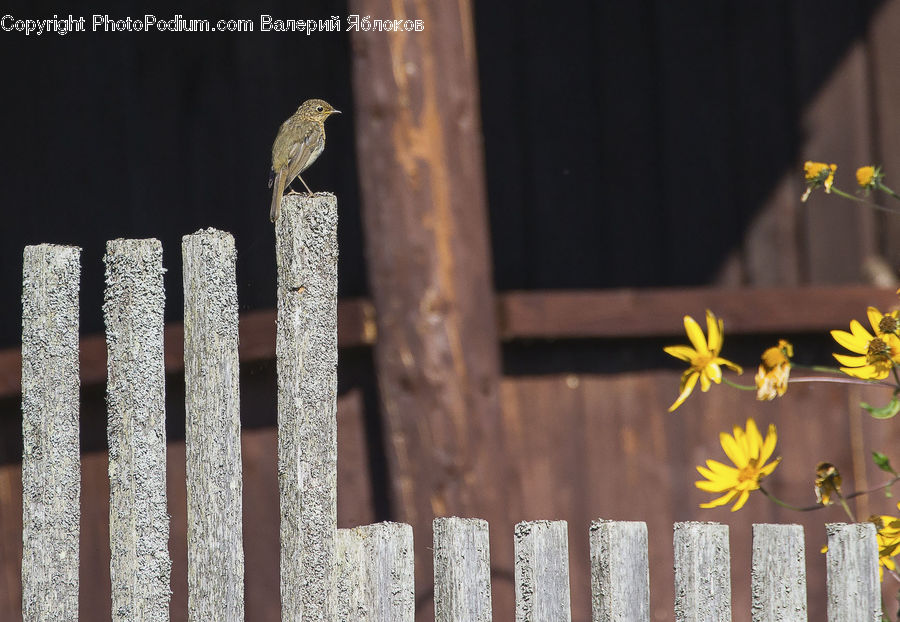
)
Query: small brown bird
[{"x": 299, "y": 142}]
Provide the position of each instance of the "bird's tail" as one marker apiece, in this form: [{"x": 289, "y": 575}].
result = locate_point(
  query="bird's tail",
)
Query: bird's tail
[{"x": 277, "y": 191}]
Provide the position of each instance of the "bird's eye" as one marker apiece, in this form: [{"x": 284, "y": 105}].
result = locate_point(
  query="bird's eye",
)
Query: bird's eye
[{"x": 319, "y": 109}]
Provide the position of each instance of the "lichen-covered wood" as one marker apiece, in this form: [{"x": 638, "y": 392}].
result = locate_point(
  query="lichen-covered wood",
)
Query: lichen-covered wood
[
  {"x": 702, "y": 573},
  {"x": 306, "y": 350},
  {"x": 778, "y": 574},
  {"x": 462, "y": 570},
  {"x": 212, "y": 428},
  {"x": 854, "y": 591},
  {"x": 620, "y": 578},
  {"x": 51, "y": 460},
  {"x": 136, "y": 430},
  {"x": 374, "y": 575},
  {"x": 542, "y": 571}
]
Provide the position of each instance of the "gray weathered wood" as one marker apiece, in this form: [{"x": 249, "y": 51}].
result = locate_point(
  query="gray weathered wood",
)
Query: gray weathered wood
[
  {"x": 375, "y": 580},
  {"x": 306, "y": 349},
  {"x": 212, "y": 428},
  {"x": 702, "y": 573},
  {"x": 135, "y": 393},
  {"x": 462, "y": 570},
  {"x": 854, "y": 591},
  {"x": 542, "y": 571},
  {"x": 778, "y": 574},
  {"x": 620, "y": 576},
  {"x": 51, "y": 460}
]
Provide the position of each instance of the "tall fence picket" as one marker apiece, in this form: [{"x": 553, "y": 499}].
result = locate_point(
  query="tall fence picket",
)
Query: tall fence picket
[
  {"x": 51, "y": 460},
  {"x": 778, "y": 574},
  {"x": 542, "y": 571},
  {"x": 375, "y": 574},
  {"x": 212, "y": 428},
  {"x": 702, "y": 573},
  {"x": 462, "y": 570},
  {"x": 854, "y": 592},
  {"x": 306, "y": 349},
  {"x": 138, "y": 521},
  {"x": 620, "y": 572}
]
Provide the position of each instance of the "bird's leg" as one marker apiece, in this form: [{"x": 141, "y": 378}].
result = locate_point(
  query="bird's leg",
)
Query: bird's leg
[{"x": 304, "y": 185}]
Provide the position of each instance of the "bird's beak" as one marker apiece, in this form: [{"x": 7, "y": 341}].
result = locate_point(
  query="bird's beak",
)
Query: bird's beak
[{"x": 335, "y": 112}]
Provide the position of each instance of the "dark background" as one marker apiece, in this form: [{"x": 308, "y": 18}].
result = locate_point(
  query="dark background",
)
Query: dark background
[{"x": 627, "y": 143}]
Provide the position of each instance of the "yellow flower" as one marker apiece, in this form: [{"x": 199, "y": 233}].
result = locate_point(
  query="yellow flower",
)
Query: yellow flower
[
  {"x": 867, "y": 177},
  {"x": 772, "y": 376},
  {"x": 828, "y": 483},
  {"x": 888, "y": 538},
  {"x": 749, "y": 452},
  {"x": 818, "y": 174},
  {"x": 703, "y": 357},
  {"x": 879, "y": 353}
]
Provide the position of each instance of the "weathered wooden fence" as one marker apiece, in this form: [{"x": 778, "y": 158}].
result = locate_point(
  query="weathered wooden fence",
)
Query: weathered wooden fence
[{"x": 360, "y": 574}]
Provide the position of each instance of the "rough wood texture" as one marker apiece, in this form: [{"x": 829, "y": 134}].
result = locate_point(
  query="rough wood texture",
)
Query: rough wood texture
[
  {"x": 854, "y": 591},
  {"x": 212, "y": 428},
  {"x": 136, "y": 429},
  {"x": 374, "y": 574},
  {"x": 306, "y": 349},
  {"x": 462, "y": 570},
  {"x": 542, "y": 571},
  {"x": 702, "y": 573},
  {"x": 51, "y": 465},
  {"x": 778, "y": 574},
  {"x": 419, "y": 146},
  {"x": 620, "y": 573}
]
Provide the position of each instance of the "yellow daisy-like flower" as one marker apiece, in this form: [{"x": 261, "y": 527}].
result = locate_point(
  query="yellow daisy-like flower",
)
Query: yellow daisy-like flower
[
  {"x": 703, "y": 357},
  {"x": 774, "y": 372},
  {"x": 749, "y": 452},
  {"x": 818, "y": 174},
  {"x": 877, "y": 354},
  {"x": 888, "y": 538}
]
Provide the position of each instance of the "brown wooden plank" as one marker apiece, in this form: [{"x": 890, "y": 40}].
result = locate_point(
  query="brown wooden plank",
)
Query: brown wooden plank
[
  {"x": 838, "y": 234},
  {"x": 356, "y": 327},
  {"x": 655, "y": 313},
  {"x": 550, "y": 315},
  {"x": 425, "y": 222},
  {"x": 884, "y": 50}
]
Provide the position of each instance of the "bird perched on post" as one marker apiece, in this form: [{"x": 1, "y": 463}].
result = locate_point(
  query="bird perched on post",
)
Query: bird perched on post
[{"x": 299, "y": 142}]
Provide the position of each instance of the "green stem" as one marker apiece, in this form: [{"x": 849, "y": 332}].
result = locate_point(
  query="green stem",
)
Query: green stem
[
  {"x": 884, "y": 188},
  {"x": 785, "y": 504},
  {"x": 846, "y": 195},
  {"x": 742, "y": 387}
]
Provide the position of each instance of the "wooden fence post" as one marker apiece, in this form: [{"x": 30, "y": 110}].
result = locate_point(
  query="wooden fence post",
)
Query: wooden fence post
[
  {"x": 702, "y": 573},
  {"x": 854, "y": 592},
  {"x": 138, "y": 521},
  {"x": 51, "y": 459},
  {"x": 212, "y": 428},
  {"x": 306, "y": 350},
  {"x": 542, "y": 571},
  {"x": 462, "y": 570},
  {"x": 374, "y": 580},
  {"x": 620, "y": 575},
  {"x": 778, "y": 574}
]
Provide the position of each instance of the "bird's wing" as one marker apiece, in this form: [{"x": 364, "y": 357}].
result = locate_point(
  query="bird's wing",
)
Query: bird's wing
[{"x": 303, "y": 153}]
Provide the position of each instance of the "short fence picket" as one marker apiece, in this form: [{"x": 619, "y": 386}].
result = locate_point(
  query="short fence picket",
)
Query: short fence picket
[{"x": 361, "y": 574}]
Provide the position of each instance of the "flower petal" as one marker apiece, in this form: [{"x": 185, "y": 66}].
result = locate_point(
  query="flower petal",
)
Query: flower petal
[
  {"x": 687, "y": 386},
  {"x": 695, "y": 334},
  {"x": 850, "y": 342},
  {"x": 685, "y": 353}
]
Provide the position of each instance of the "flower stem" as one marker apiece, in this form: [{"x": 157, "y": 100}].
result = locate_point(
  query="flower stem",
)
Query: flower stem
[
  {"x": 846, "y": 195},
  {"x": 785, "y": 504},
  {"x": 843, "y": 380},
  {"x": 742, "y": 387}
]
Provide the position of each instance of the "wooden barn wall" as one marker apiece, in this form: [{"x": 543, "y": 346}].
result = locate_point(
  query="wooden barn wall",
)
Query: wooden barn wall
[
  {"x": 673, "y": 156},
  {"x": 585, "y": 446}
]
